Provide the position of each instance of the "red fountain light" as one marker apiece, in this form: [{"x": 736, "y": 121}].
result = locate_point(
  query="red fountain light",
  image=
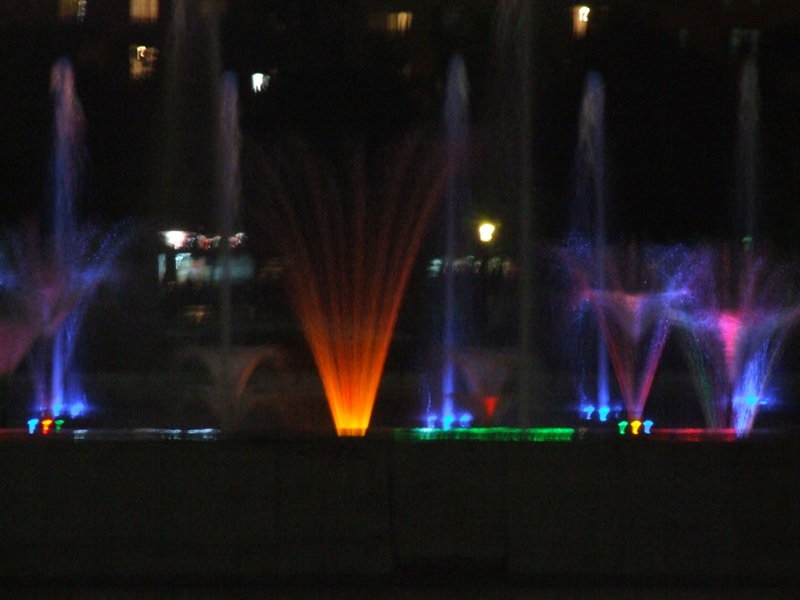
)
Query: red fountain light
[
  {"x": 489, "y": 406},
  {"x": 351, "y": 241}
]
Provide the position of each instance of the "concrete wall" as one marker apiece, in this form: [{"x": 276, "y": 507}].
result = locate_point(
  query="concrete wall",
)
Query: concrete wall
[{"x": 266, "y": 507}]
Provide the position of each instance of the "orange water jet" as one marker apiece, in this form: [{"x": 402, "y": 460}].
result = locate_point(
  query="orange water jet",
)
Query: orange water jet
[{"x": 351, "y": 237}]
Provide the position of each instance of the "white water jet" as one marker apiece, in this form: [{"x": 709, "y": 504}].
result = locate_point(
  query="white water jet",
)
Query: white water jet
[
  {"x": 589, "y": 207},
  {"x": 748, "y": 153},
  {"x": 515, "y": 22}
]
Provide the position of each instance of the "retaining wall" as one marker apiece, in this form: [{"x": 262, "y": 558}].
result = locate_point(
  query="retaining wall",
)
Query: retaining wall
[{"x": 266, "y": 507}]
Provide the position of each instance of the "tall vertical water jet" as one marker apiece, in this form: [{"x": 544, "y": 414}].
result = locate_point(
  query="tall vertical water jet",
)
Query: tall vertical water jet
[
  {"x": 228, "y": 159},
  {"x": 61, "y": 275},
  {"x": 52, "y": 386},
  {"x": 189, "y": 170},
  {"x": 456, "y": 119},
  {"x": 515, "y": 21},
  {"x": 734, "y": 337},
  {"x": 748, "y": 153},
  {"x": 201, "y": 175},
  {"x": 589, "y": 206}
]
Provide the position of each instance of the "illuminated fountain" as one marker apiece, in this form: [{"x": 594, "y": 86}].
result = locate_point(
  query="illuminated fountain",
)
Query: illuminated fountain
[
  {"x": 748, "y": 151},
  {"x": 16, "y": 339},
  {"x": 735, "y": 330},
  {"x": 456, "y": 119},
  {"x": 589, "y": 215},
  {"x": 201, "y": 176},
  {"x": 634, "y": 297},
  {"x": 486, "y": 372},
  {"x": 20, "y": 326},
  {"x": 61, "y": 274},
  {"x": 351, "y": 238},
  {"x": 226, "y": 396},
  {"x": 631, "y": 296},
  {"x": 515, "y": 23},
  {"x": 732, "y": 338}
]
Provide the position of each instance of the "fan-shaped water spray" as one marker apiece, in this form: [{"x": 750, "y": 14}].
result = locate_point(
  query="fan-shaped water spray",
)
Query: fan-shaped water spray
[
  {"x": 734, "y": 331},
  {"x": 351, "y": 236},
  {"x": 634, "y": 295}
]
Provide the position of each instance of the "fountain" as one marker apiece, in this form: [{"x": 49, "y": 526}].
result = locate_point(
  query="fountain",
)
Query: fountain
[
  {"x": 20, "y": 326},
  {"x": 735, "y": 330},
  {"x": 514, "y": 33},
  {"x": 732, "y": 344},
  {"x": 634, "y": 296},
  {"x": 589, "y": 210},
  {"x": 351, "y": 238},
  {"x": 61, "y": 274},
  {"x": 16, "y": 339},
  {"x": 748, "y": 153},
  {"x": 226, "y": 397},
  {"x": 347, "y": 275},
  {"x": 191, "y": 160},
  {"x": 631, "y": 297},
  {"x": 201, "y": 175},
  {"x": 486, "y": 371},
  {"x": 456, "y": 118}
]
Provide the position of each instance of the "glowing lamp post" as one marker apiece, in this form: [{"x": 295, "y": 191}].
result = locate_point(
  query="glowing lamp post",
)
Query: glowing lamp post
[{"x": 486, "y": 232}]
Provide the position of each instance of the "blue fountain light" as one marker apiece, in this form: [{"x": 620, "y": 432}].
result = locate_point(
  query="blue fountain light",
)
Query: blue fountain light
[
  {"x": 448, "y": 421},
  {"x": 602, "y": 412}
]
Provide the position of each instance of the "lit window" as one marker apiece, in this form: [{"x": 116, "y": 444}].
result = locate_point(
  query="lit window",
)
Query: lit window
[
  {"x": 260, "y": 82},
  {"x": 580, "y": 21},
  {"x": 142, "y": 60},
  {"x": 396, "y": 24},
  {"x": 144, "y": 11},
  {"x": 72, "y": 9},
  {"x": 67, "y": 9}
]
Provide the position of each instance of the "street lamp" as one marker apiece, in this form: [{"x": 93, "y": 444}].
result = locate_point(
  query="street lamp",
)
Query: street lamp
[{"x": 486, "y": 232}]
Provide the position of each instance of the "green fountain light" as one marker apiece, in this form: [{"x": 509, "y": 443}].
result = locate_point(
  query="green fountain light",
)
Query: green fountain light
[{"x": 487, "y": 434}]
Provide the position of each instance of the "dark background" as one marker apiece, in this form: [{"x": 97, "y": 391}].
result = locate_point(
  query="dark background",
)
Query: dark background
[{"x": 670, "y": 108}]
